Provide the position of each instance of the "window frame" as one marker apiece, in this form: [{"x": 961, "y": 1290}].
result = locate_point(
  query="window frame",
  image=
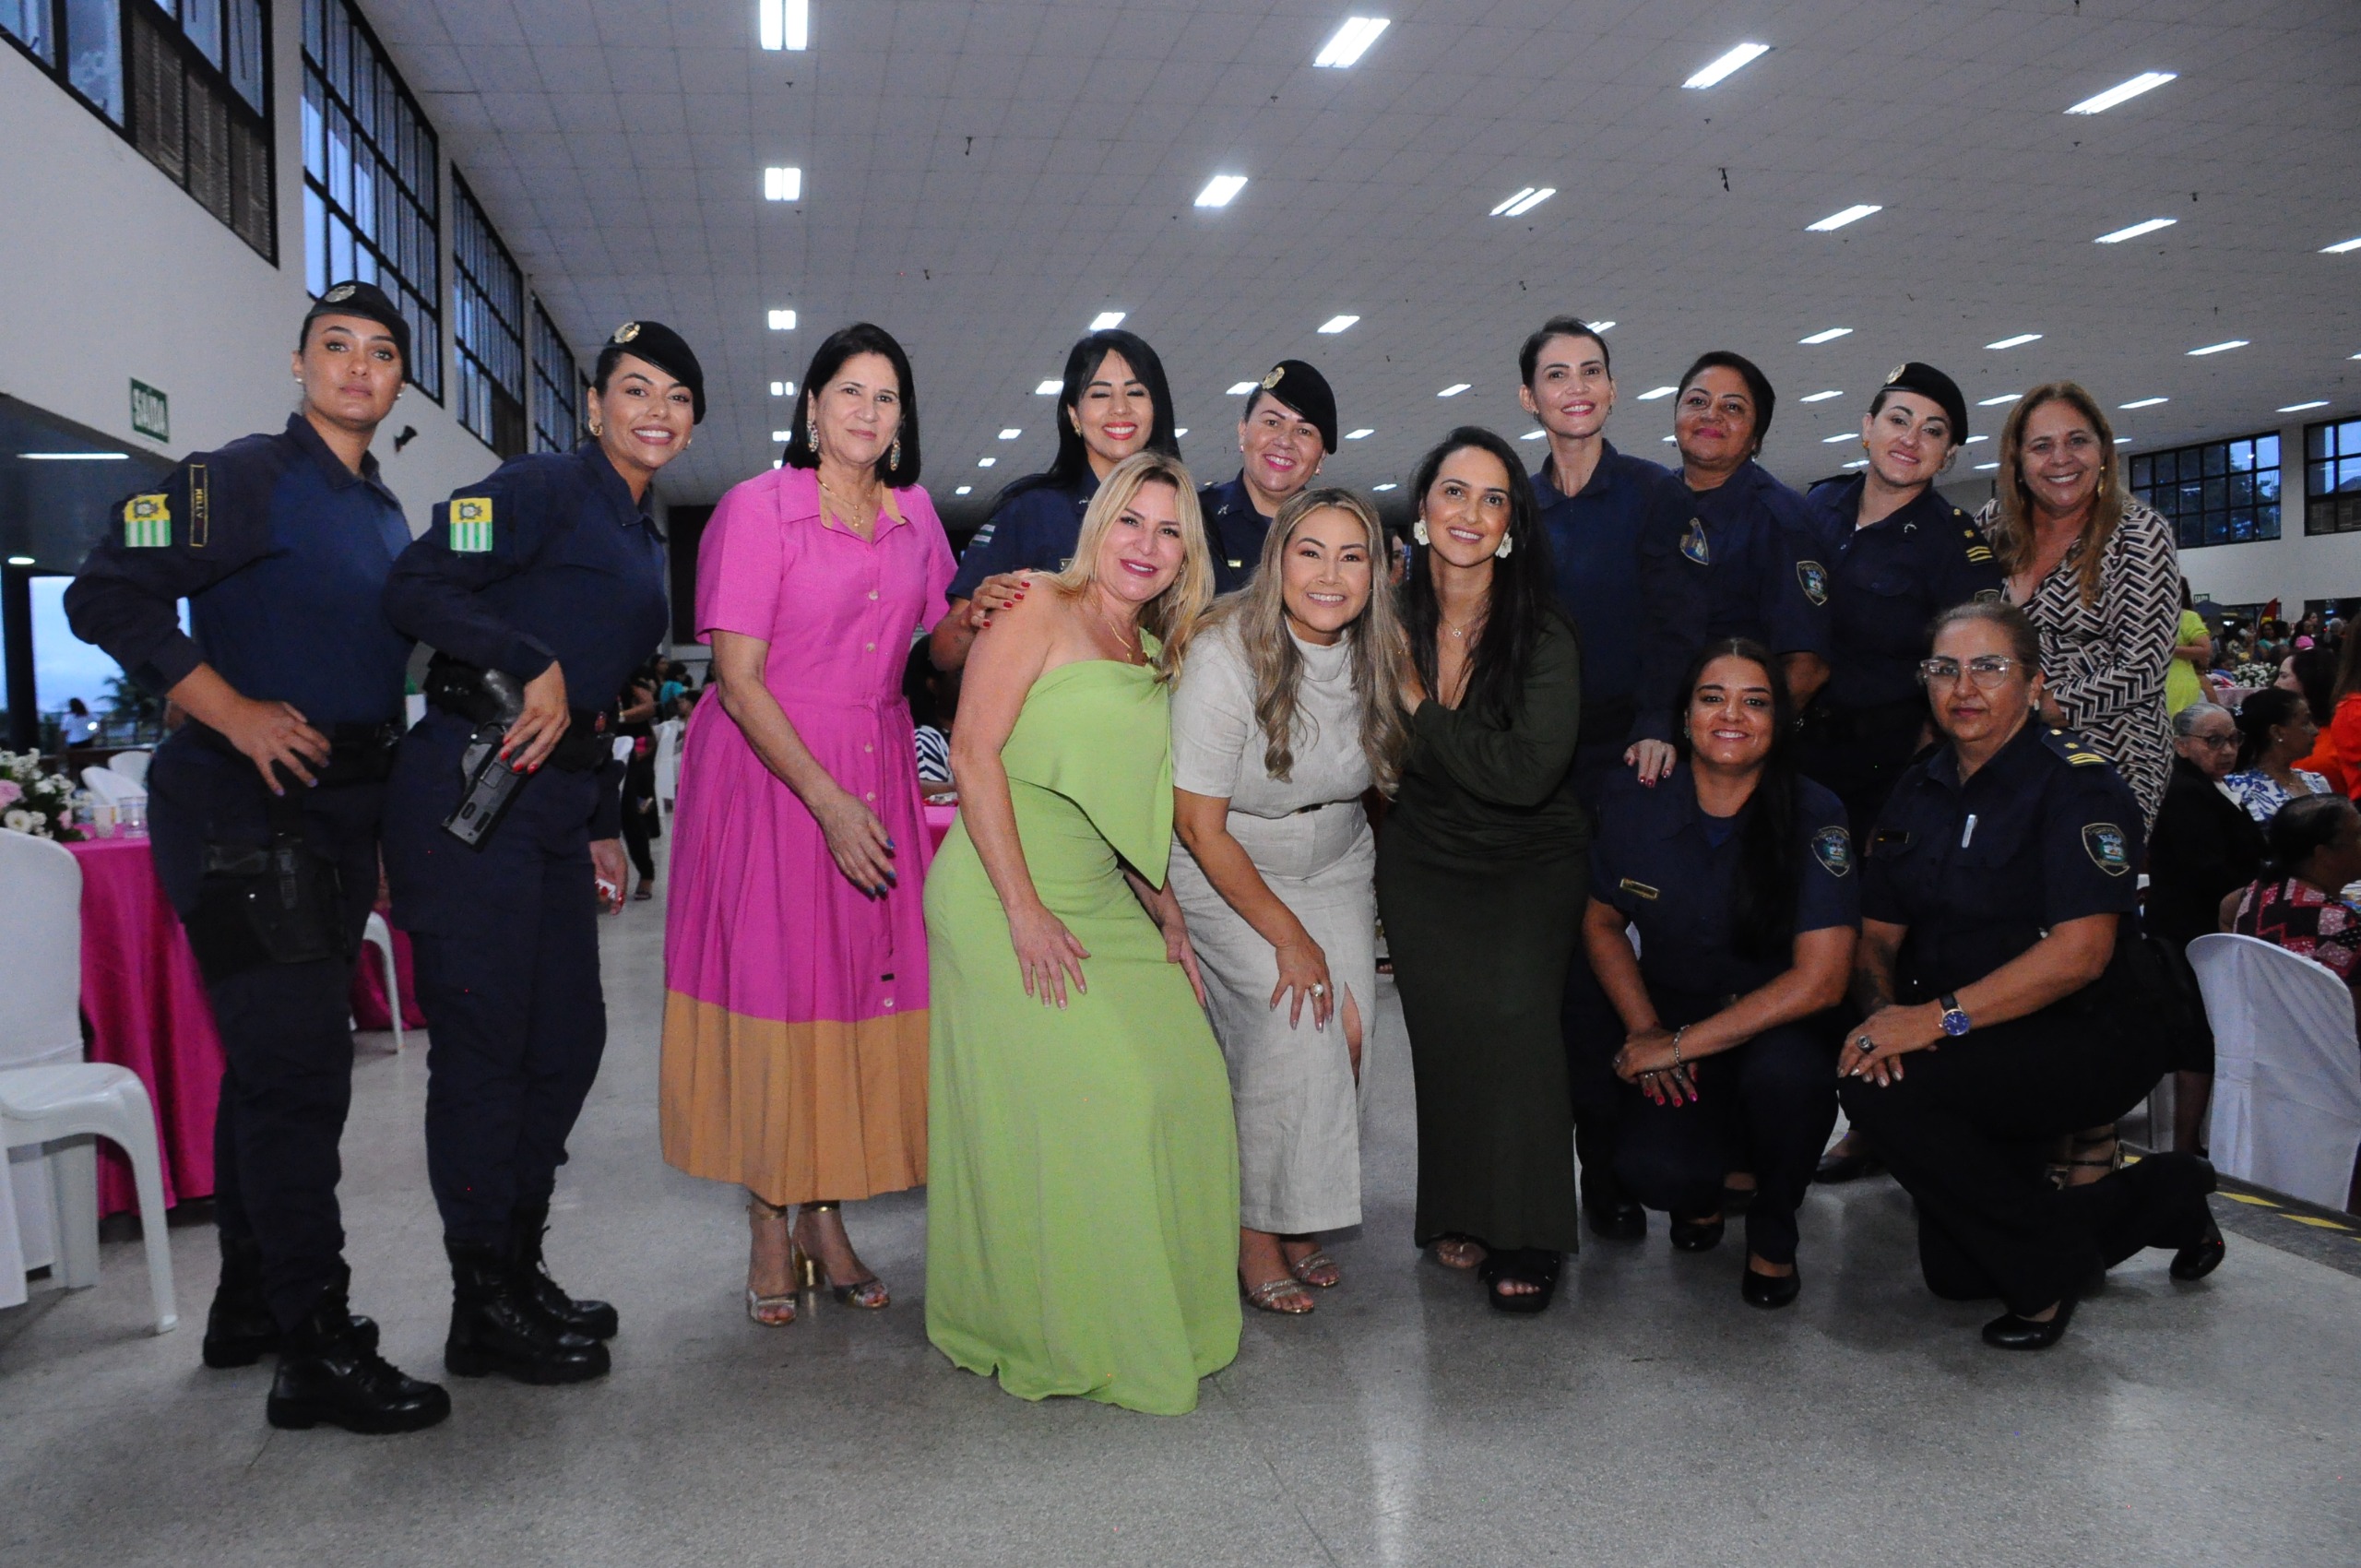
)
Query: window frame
[
  {"x": 563, "y": 393},
  {"x": 2326, "y": 501},
  {"x": 2216, "y": 483},
  {"x": 470, "y": 296}
]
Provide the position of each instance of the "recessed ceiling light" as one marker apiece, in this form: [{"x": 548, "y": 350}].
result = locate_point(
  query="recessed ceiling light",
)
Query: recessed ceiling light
[
  {"x": 2149, "y": 227},
  {"x": 1349, "y": 42},
  {"x": 1337, "y": 323},
  {"x": 1182, "y": 430},
  {"x": 1744, "y": 54},
  {"x": 782, "y": 437},
  {"x": 782, "y": 388},
  {"x": 986, "y": 462},
  {"x": 1840, "y": 435},
  {"x": 20, "y": 561},
  {"x": 965, "y": 490},
  {"x": 1220, "y": 189},
  {"x": 2341, "y": 247},
  {"x": 1838, "y": 219},
  {"x": 1981, "y": 468},
  {"x": 1996, "y": 402},
  {"x": 82, "y": 457},
  {"x": 1524, "y": 201},
  {"x": 1106, "y": 321},
  {"x": 1829, "y": 336},
  {"x": 2144, "y": 402},
  {"x": 784, "y": 24},
  {"x": 2019, "y": 342},
  {"x": 1389, "y": 485},
  {"x": 1011, "y": 434},
  {"x": 2100, "y": 104},
  {"x": 2299, "y": 408},
  {"x": 782, "y": 321},
  {"x": 2218, "y": 348},
  {"x": 1533, "y": 435},
  {"x": 1049, "y": 390},
  {"x": 1653, "y": 393},
  {"x": 1239, "y": 388},
  {"x": 1359, "y": 434},
  {"x": 782, "y": 184},
  {"x": 1815, "y": 398},
  {"x": 1455, "y": 389}
]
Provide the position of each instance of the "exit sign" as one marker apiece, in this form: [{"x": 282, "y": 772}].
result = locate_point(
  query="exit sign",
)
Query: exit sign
[{"x": 151, "y": 413}]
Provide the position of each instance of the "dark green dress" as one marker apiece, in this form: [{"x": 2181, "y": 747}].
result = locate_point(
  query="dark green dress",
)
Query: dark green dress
[{"x": 1481, "y": 869}]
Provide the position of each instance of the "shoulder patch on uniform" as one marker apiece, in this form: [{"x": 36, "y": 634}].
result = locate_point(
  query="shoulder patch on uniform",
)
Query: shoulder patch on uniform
[
  {"x": 2071, "y": 745},
  {"x": 1814, "y": 578},
  {"x": 471, "y": 525},
  {"x": 2108, "y": 847},
  {"x": 1693, "y": 545},
  {"x": 147, "y": 522},
  {"x": 1832, "y": 848},
  {"x": 1638, "y": 889}
]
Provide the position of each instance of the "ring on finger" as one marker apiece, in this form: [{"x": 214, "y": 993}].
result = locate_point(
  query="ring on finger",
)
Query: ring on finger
[{"x": 1319, "y": 987}]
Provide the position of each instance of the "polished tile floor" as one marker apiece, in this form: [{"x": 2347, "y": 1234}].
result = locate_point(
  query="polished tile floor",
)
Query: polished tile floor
[{"x": 1649, "y": 1418}]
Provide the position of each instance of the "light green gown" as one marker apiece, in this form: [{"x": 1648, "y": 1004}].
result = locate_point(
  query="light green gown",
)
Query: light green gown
[{"x": 1082, "y": 1209}]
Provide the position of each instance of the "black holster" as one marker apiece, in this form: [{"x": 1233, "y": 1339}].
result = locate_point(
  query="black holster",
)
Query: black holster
[{"x": 282, "y": 903}]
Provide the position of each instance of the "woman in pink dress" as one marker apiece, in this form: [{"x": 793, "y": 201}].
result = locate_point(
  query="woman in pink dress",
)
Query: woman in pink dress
[{"x": 795, "y": 970}]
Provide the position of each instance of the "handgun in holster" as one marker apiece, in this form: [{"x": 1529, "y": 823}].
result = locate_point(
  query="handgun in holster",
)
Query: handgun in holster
[
  {"x": 278, "y": 903},
  {"x": 489, "y": 785}
]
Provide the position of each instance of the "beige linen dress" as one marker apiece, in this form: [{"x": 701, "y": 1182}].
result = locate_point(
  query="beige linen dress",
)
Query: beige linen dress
[{"x": 1298, "y": 1108}]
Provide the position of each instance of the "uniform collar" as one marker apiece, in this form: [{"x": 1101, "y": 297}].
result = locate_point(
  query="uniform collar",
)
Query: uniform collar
[
  {"x": 307, "y": 440},
  {"x": 2011, "y": 760},
  {"x": 1233, "y": 491},
  {"x": 1844, "y": 504},
  {"x": 1602, "y": 478},
  {"x": 607, "y": 482}
]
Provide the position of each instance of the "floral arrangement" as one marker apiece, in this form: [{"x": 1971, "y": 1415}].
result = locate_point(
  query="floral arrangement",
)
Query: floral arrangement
[{"x": 33, "y": 801}]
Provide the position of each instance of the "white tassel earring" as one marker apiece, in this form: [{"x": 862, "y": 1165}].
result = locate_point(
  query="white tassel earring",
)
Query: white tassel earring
[{"x": 1418, "y": 532}]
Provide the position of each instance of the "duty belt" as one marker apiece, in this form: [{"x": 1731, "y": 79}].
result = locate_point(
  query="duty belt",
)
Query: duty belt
[{"x": 358, "y": 754}]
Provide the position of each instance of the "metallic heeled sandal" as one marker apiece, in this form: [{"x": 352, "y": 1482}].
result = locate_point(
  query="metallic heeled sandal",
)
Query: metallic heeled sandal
[
  {"x": 869, "y": 1294},
  {"x": 775, "y": 1311}
]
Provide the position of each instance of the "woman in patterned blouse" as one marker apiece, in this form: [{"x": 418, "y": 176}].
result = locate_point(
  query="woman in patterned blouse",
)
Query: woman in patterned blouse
[{"x": 2097, "y": 572}]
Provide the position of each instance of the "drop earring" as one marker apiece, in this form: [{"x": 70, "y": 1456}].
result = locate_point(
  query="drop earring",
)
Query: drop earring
[
  {"x": 1418, "y": 532},
  {"x": 893, "y": 456},
  {"x": 1503, "y": 552}
]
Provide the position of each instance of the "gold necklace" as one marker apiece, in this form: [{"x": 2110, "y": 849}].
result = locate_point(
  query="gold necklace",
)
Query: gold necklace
[
  {"x": 844, "y": 512},
  {"x": 1131, "y": 648}
]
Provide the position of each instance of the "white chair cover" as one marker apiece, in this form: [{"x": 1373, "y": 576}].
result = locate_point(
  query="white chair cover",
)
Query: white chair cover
[
  {"x": 132, "y": 765},
  {"x": 668, "y": 760},
  {"x": 112, "y": 787},
  {"x": 41, "y": 1016},
  {"x": 2287, "y": 1067}
]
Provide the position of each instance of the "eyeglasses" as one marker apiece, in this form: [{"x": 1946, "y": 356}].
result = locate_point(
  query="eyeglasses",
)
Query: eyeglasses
[
  {"x": 2216, "y": 742},
  {"x": 1986, "y": 670}
]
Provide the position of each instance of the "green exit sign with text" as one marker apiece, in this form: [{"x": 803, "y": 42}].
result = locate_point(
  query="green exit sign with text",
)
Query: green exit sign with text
[{"x": 151, "y": 412}]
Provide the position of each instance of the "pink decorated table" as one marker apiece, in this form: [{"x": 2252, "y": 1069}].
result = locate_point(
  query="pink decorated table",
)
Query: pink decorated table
[{"x": 938, "y": 822}]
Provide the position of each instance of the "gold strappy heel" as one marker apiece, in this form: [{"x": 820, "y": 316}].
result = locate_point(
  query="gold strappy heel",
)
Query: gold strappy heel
[
  {"x": 775, "y": 1311},
  {"x": 869, "y": 1294}
]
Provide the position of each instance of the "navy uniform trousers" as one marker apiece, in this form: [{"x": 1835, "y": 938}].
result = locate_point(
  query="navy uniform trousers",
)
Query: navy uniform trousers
[
  {"x": 1593, "y": 1029},
  {"x": 286, "y": 1028},
  {"x": 505, "y": 940}
]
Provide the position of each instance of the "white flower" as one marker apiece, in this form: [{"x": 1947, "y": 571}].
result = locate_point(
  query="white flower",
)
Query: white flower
[{"x": 20, "y": 821}]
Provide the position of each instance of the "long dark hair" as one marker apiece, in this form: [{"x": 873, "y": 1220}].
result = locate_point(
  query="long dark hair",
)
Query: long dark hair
[
  {"x": 1083, "y": 360},
  {"x": 2255, "y": 716},
  {"x": 2315, "y": 669},
  {"x": 1522, "y": 594},
  {"x": 1770, "y": 869},
  {"x": 898, "y": 465}
]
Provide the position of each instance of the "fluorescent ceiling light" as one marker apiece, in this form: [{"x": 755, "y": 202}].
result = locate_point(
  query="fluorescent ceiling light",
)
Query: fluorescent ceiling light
[
  {"x": 1338, "y": 323},
  {"x": 1815, "y": 398},
  {"x": 1744, "y": 54},
  {"x": 2019, "y": 342},
  {"x": 1049, "y": 390},
  {"x": 1182, "y": 430},
  {"x": 782, "y": 388},
  {"x": 1653, "y": 393},
  {"x": 1524, "y": 201},
  {"x": 782, "y": 321},
  {"x": 784, "y": 24},
  {"x": 75, "y": 456},
  {"x": 2100, "y": 102},
  {"x": 1602, "y": 326},
  {"x": 1829, "y": 336},
  {"x": 782, "y": 437},
  {"x": 20, "y": 561},
  {"x": 1838, "y": 219},
  {"x": 1840, "y": 435},
  {"x": 1106, "y": 320},
  {"x": 782, "y": 184},
  {"x": 1362, "y": 433},
  {"x": 1455, "y": 389},
  {"x": 2299, "y": 408},
  {"x": 2341, "y": 247},
  {"x": 1996, "y": 402},
  {"x": 1974, "y": 439},
  {"x": 1669, "y": 438},
  {"x": 1982, "y": 468},
  {"x": 2218, "y": 348},
  {"x": 986, "y": 462},
  {"x": 1389, "y": 485},
  {"x": 1533, "y": 435},
  {"x": 2144, "y": 402},
  {"x": 1011, "y": 434},
  {"x": 965, "y": 490},
  {"x": 2149, "y": 227},
  {"x": 1349, "y": 42},
  {"x": 1239, "y": 388},
  {"x": 1220, "y": 189},
  {"x": 1858, "y": 463}
]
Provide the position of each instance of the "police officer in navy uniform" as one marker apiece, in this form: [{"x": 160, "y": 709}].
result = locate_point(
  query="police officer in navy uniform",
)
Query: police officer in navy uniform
[
  {"x": 1288, "y": 427},
  {"x": 263, "y": 811},
  {"x": 541, "y": 587},
  {"x": 1616, "y": 524},
  {"x": 1998, "y": 904},
  {"x": 1112, "y": 403},
  {"x": 1896, "y": 554}
]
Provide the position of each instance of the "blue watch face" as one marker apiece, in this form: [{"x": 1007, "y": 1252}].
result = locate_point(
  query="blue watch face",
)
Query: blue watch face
[{"x": 1954, "y": 1023}]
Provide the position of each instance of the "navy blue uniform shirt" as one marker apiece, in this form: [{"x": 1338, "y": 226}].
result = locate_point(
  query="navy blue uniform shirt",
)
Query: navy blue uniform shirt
[
  {"x": 1234, "y": 532},
  {"x": 1886, "y": 582},
  {"x": 2043, "y": 833},
  {"x": 1034, "y": 531},
  {"x": 282, "y": 553},
  {"x": 1638, "y": 602},
  {"x": 1765, "y": 579},
  {"x": 1655, "y": 862}
]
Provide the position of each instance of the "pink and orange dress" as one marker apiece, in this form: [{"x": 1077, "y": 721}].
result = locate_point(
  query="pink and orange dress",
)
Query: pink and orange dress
[{"x": 795, "y": 1008}]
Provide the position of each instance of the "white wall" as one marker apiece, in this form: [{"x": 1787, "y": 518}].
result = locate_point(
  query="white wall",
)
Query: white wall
[{"x": 2290, "y": 568}]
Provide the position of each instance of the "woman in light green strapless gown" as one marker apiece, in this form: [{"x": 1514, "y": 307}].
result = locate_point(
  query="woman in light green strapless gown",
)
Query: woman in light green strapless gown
[{"x": 1083, "y": 1198}]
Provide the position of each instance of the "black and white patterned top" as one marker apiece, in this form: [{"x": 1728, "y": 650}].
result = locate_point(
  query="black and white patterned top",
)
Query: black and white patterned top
[{"x": 2106, "y": 660}]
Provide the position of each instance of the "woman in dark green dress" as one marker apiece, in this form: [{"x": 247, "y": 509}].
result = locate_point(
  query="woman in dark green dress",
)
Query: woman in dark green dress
[{"x": 1480, "y": 871}]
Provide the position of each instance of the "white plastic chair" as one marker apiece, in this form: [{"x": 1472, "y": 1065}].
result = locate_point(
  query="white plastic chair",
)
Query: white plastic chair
[
  {"x": 380, "y": 935},
  {"x": 112, "y": 787},
  {"x": 132, "y": 765},
  {"x": 2287, "y": 1067},
  {"x": 62, "y": 1110},
  {"x": 40, "y": 991},
  {"x": 668, "y": 760}
]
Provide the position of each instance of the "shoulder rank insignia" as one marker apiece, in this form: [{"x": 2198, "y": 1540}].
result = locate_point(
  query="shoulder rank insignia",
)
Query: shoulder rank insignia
[
  {"x": 1638, "y": 889},
  {"x": 1693, "y": 545},
  {"x": 2108, "y": 849},
  {"x": 1814, "y": 578},
  {"x": 1832, "y": 848},
  {"x": 147, "y": 522},
  {"x": 471, "y": 525}
]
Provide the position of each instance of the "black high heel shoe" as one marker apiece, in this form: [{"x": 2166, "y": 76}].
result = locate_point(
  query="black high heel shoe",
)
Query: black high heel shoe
[
  {"x": 1697, "y": 1235},
  {"x": 1770, "y": 1291},
  {"x": 2009, "y": 1332},
  {"x": 2203, "y": 1256}
]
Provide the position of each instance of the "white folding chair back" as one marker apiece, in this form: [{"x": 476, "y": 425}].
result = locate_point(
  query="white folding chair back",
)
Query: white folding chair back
[
  {"x": 62, "y": 1110},
  {"x": 40, "y": 1003},
  {"x": 380, "y": 935},
  {"x": 112, "y": 787},
  {"x": 668, "y": 760},
  {"x": 2287, "y": 1067},
  {"x": 132, "y": 765}
]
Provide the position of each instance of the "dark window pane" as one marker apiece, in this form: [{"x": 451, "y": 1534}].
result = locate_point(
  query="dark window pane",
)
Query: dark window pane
[
  {"x": 2242, "y": 489},
  {"x": 2217, "y": 457},
  {"x": 2266, "y": 520},
  {"x": 2266, "y": 484},
  {"x": 2140, "y": 467}
]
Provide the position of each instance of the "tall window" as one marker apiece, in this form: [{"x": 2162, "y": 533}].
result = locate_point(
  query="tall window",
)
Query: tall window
[
  {"x": 557, "y": 388},
  {"x": 2216, "y": 493},
  {"x": 187, "y": 82},
  {"x": 488, "y": 324},
  {"x": 2332, "y": 477},
  {"x": 372, "y": 168}
]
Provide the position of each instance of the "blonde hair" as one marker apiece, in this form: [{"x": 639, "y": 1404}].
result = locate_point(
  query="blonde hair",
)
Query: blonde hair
[
  {"x": 1379, "y": 645},
  {"x": 1171, "y": 613},
  {"x": 2012, "y": 531}
]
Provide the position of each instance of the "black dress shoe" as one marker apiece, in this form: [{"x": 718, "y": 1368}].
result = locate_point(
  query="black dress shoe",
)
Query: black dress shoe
[
  {"x": 2009, "y": 1332},
  {"x": 2203, "y": 1256},
  {"x": 239, "y": 1327},
  {"x": 1697, "y": 1235},
  {"x": 1761, "y": 1290},
  {"x": 496, "y": 1328},
  {"x": 1535, "y": 1266},
  {"x": 594, "y": 1320},
  {"x": 1835, "y": 1168},
  {"x": 1622, "y": 1220},
  {"x": 327, "y": 1372}
]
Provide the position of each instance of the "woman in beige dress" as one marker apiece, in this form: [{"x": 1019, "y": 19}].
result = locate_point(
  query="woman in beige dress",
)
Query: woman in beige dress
[{"x": 1286, "y": 712}]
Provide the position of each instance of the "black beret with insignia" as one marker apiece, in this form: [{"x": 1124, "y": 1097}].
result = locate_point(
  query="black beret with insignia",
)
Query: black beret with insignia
[
  {"x": 365, "y": 300},
  {"x": 1932, "y": 384},
  {"x": 1305, "y": 390},
  {"x": 661, "y": 347}
]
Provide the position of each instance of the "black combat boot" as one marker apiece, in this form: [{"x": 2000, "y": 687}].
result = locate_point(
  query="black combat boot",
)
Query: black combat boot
[
  {"x": 328, "y": 1372},
  {"x": 496, "y": 1328},
  {"x": 592, "y": 1320},
  {"x": 239, "y": 1329}
]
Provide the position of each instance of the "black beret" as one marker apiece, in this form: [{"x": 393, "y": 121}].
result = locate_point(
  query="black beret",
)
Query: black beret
[
  {"x": 366, "y": 300},
  {"x": 1930, "y": 383},
  {"x": 664, "y": 349},
  {"x": 1305, "y": 390}
]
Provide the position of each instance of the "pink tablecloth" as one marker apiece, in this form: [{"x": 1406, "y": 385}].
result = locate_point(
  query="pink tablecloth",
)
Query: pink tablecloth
[{"x": 939, "y": 820}]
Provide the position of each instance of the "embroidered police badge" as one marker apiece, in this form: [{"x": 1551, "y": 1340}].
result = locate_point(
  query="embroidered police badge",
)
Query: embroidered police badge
[
  {"x": 1814, "y": 578},
  {"x": 147, "y": 522},
  {"x": 1896, "y": 374},
  {"x": 1693, "y": 545},
  {"x": 2108, "y": 849},
  {"x": 1271, "y": 382},
  {"x": 340, "y": 293},
  {"x": 1832, "y": 848},
  {"x": 626, "y": 333},
  {"x": 471, "y": 525}
]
